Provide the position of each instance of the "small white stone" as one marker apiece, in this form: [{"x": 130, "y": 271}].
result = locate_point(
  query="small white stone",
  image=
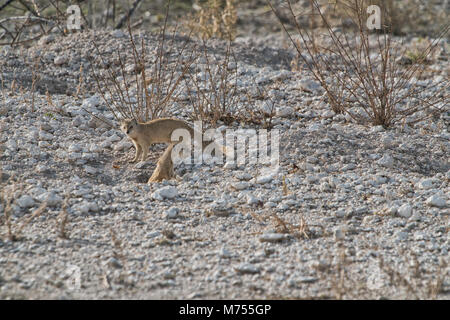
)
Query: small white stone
[
  {"x": 392, "y": 210},
  {"x": 328, "y": 114},
  {"x": 91, "y": 102},
  {"x": 309, "y": 85},
  {"x": 386, "y": 161},
  {"x": 118, "y": 33},
  {"x": 90, "y": 170},
  {"x": 284, "y": 112},
  {"x": 45, "y": 136},
  {"x": 324, "y": 187},
  {"x": 105, "y": 144},
  {"x": 114, "y": 138},
  {"x": 340, "y": 213},
  {"x": 229, "y": 165},
  {"x": 95, "y": 148},
  {"x": 272, "y": 237},
  {"x": 59, "y": 60},
  {"x": 168, "y": 192},
  {"x": 387, "y": 142},
  {"x": 75, "y": 147},
  {"x": 51, "y": 198},
  {"x": 25, "y": 201},
  {"x": 125, "y": 144},
  {"x": 251, "y": 199},
  {"x": 315, "y": 127},
  {"x": 264, "y": 179},
  {"x": 401, "y": 235},
  {"x": 425, "y": 184},
  {"x": 405, "y": 211},
  {"x": 243, "y": 176},
  {"x": 11, "y": 145},
  {"x": 339, "y": 233},
  {"x": 246, "y": 268},
  {"x": 436, "y": 201},
  {"x": 172, "y": 213},
  {"x": 43, "y": 144},
  {"x": 93, "y": 207},
  {"x": 240, "y": 185},
  {"x": 224, "y": 253},
  {"x": 270, "y": 204},
  {"x": 377, "y": 129}
]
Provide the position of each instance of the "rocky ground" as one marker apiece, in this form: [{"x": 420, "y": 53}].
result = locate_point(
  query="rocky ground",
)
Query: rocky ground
[{"x": 352, "y": 211}]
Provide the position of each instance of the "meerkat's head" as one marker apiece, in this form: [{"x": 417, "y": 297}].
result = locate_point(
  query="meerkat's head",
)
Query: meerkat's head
[{"x": 128, "y": 126}]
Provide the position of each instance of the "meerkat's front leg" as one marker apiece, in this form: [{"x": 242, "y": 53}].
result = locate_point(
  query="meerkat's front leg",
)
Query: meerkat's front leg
[
  {"x": 138, "y": 152},
  {"x": 144, "y": 152}
]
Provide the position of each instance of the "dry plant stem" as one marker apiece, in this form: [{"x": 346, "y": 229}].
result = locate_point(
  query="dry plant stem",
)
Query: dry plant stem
[
  {"x": 396, "y": 278},
  {"x": 35, "y": 214},
  {"x": 7, "y": 204},
  {"x": 128, "y": 15},
  {"x": 80, "y": 83},
  {"x": 64, "y": 217},
  {"x": 266, "y": 117},
  {"x": 216, "y": 97},
  {"x": 340, "y": 276},
  {"x": 34, "y": 78},
  {"x": 49, "y": 99},
  {"x": 300, "y": 231},
  {"x": 118, "y": 253}
]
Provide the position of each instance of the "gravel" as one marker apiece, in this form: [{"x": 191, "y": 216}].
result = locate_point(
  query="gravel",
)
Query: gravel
[{"x": 360, "y": 195}]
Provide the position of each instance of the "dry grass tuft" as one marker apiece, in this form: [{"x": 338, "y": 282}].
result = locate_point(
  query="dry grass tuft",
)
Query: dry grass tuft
[
  {"x": 214, "y": 18},
  {"x": 37, "y": 213},
  {"x": 63, "y": 218},
  {"x": 299, "y": 231},
  {"x": 117, "y": 244},
  {"x": 7, "y": 200}
]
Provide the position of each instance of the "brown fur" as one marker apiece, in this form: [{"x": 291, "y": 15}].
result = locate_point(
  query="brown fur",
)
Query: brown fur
[{"x": 164, "y": 167}]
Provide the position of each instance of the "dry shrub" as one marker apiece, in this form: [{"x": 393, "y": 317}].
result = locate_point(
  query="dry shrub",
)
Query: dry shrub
[
  {"x": 360, "y": 70},
  {"x": 213, "y": 93},
  {"x": 300, "y": 230},
  {"x": 215, "y": 18},
  {"x": 143, "y": 87}
]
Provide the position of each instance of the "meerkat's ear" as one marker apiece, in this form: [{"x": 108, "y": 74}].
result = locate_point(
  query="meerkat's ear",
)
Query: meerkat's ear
[{"x": 133, "y": 122}]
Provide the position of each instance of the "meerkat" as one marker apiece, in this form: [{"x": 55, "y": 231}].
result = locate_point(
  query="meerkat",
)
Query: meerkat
[
  {"x": 164, "y": 167},
  {"x": 155, "y": 131}
]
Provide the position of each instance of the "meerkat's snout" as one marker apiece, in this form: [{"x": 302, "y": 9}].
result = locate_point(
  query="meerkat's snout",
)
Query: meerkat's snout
[{"x": 127, "y": 126}]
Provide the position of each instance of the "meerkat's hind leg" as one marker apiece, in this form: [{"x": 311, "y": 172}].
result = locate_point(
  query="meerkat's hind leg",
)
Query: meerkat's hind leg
[{"x": 164, "y": 167}]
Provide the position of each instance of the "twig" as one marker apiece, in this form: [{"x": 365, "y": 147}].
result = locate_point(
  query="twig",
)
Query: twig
[{"x": 128, "y": 15}]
